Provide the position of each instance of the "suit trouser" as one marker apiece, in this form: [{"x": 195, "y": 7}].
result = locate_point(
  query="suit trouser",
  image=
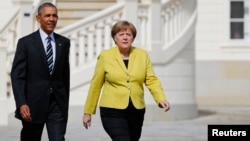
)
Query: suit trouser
[
  {"x": 55, "y": 124},
  {"x": 123, "y": 125}
]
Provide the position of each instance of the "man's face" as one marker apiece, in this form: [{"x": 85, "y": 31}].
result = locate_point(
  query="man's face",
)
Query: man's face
[{"x": 48, "y": 19}]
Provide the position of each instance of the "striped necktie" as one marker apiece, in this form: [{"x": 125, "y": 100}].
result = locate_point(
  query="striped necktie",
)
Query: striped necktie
[{"x": 49, "y": 54}]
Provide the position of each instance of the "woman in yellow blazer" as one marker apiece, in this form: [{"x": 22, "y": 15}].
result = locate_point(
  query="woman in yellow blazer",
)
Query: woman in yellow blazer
[{"x": 119, "y": 77}]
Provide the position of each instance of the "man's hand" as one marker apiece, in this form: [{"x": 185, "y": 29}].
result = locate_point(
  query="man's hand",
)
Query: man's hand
[{"x": 25, "y": 112}]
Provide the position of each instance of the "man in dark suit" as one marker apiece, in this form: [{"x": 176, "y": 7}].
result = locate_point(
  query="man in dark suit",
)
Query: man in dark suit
[{"x": 41, "y": 79}]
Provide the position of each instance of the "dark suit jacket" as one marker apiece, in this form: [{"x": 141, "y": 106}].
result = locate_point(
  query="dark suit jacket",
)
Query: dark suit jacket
[{"x": 31, "y": 81}]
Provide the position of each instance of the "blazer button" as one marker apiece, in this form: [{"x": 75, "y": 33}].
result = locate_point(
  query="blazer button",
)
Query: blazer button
[
  {"x": 127, "y": 81},
  {"x": 51, "y": 90}
]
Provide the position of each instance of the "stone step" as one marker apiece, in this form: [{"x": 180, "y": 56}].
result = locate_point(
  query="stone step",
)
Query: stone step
[
  {"x": 70, "y": 11},
  {"x": 83, "y": 5},
  {"x": 86, "y": 0}
]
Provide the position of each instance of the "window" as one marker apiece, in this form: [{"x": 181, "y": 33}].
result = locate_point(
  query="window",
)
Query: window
[{"x": 237, "y": 16}]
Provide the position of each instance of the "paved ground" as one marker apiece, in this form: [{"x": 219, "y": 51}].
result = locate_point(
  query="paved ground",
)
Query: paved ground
[{"x": 185, "y": 130}]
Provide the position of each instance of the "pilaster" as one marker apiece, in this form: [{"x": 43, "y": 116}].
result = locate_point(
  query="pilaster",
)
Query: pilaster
[{"x": 26, "y": 17}]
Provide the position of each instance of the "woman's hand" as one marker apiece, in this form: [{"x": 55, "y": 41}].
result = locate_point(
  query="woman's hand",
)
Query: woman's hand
[
  {"x": 86, "y": 120},
  {"x": 165, "y": 105}
]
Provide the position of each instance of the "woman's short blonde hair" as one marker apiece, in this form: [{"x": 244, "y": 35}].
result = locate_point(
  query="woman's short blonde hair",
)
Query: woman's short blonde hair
[{"x": 123, "y": 25}]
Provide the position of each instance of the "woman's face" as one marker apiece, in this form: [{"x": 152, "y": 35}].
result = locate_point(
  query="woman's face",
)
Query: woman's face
[{"x": 124, "y": 39}]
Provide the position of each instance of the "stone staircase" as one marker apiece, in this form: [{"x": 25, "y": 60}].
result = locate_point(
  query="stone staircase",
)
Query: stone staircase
[
  {"x": 166, "y": 30},
  {"x": 70, "y": 11}
]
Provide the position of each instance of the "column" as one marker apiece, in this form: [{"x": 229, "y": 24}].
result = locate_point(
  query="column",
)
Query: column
[
  {"x": 3, "y": 85},
  {"x": 154, "y": 25}
]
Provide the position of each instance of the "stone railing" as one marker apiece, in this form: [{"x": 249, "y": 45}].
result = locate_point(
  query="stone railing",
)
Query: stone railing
[{"x": 159, "y": 24}]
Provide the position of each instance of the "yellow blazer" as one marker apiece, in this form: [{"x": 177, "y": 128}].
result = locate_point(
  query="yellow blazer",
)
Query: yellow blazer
[{"x": 115, "y": 83}]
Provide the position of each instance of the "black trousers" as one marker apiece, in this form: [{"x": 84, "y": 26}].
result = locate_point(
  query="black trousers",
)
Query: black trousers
[
  {"x": 55, "y": 124},
  {"x": 123, "y": 125}
]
